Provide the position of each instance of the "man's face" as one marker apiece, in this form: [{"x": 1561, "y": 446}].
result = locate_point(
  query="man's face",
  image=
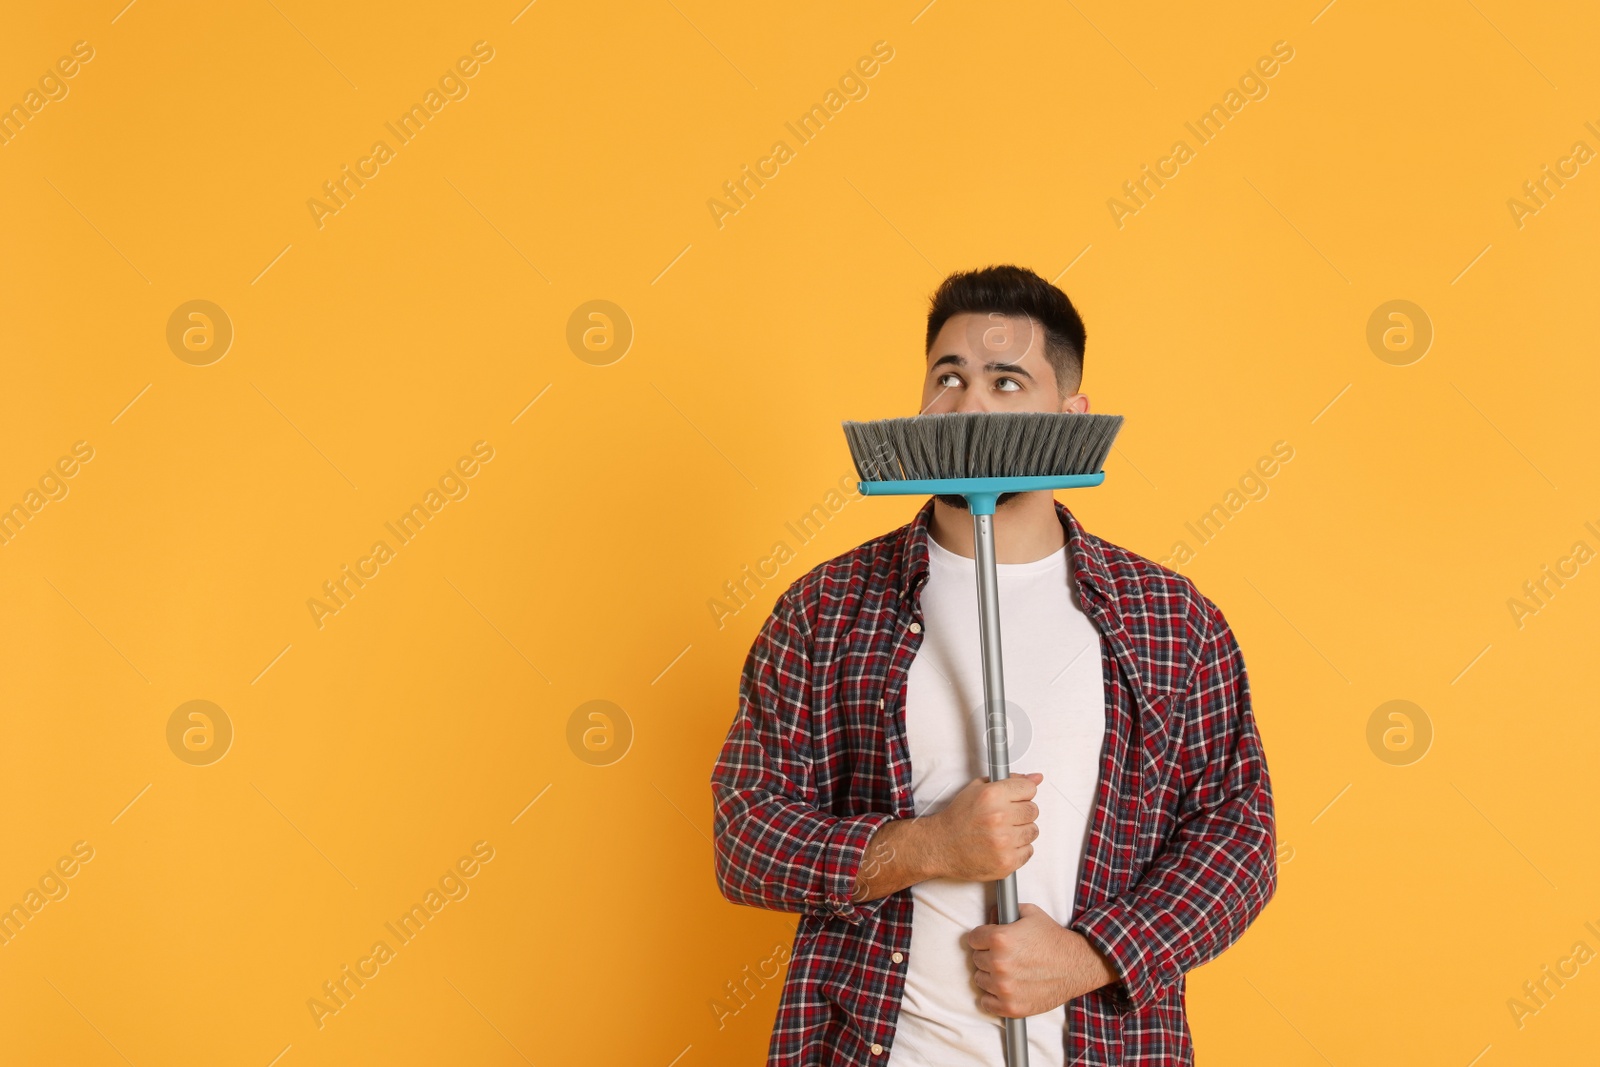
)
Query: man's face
[{"x": 993, "y": 362}]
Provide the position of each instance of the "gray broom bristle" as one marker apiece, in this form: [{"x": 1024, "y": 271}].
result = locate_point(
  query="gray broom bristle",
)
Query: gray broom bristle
[{"x": 981, "y": 444}]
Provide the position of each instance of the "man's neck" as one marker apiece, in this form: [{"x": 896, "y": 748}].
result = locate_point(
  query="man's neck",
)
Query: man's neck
[{"x": 1026, "y": 528}]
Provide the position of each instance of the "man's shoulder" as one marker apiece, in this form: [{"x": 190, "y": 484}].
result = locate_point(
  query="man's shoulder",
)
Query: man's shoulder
[
  {"x": 1165, "y": 616},
  {"x": 837, "y": 588},
  {"x": 1144, "y": 587}
]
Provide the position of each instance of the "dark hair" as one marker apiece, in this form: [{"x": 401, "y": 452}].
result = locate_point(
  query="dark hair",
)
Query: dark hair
[{"x": 1012, "y": 290}]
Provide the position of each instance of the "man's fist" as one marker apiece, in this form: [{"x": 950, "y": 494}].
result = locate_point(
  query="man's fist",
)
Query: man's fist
[
  {"x": 1033, "y": 965},
  {"x": 988, "y": 829}
]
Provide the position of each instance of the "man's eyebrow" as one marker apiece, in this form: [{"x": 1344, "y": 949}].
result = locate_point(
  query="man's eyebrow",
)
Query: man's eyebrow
[{"x": 993, "y": 368}]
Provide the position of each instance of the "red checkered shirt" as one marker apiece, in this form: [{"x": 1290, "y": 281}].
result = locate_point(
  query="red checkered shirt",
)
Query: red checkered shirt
[{"x": 1181, "y": 852}]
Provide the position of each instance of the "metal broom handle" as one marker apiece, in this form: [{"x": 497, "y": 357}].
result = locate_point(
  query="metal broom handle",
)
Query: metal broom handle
[{"x": 994, "y": 700}]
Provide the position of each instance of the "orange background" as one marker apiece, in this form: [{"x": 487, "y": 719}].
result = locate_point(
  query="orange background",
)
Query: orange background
[{"x": 432, "y": 711}]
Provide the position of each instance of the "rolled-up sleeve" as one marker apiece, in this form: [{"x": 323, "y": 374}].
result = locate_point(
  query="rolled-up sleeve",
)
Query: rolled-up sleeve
[
  {"x": 774, "y": 848},
  {"x": 1219, "y": 867}
]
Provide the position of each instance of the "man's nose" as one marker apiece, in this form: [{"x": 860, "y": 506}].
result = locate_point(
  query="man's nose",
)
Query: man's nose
[{"x": 973, "y": 400}]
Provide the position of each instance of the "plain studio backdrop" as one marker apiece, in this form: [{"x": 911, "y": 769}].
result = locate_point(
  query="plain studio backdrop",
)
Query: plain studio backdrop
[{"x": 448, "y": 392}]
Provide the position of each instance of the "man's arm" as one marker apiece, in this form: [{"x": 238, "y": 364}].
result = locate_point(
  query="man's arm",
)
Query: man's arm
[
  {"x": 775, "y": 849},
  {"x": 900, "y": 855},
  {"x": 983, "y": 834},
  {"x": 1219, "y": 867}
]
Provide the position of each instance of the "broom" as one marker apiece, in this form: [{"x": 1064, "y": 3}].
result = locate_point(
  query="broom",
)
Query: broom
[{"x": 980, "y": 456}]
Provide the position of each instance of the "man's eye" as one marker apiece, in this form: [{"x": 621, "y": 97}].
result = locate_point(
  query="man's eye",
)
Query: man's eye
[
  {"x": 949, "y": 381},
  {"x": 1008, "y": 385}
]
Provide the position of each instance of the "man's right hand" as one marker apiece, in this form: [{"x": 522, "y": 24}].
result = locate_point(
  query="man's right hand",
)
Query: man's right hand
[
  {"x": 987, "y": 830},
  {"x": 984, "y": 833}
]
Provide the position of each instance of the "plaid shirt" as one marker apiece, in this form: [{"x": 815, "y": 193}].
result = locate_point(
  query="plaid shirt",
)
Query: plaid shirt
[{"x": 1181, "y": 852}]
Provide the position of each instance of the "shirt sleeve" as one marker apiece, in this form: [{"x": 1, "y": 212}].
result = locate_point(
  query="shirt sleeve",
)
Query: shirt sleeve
[
  {"x": 1219, "y": 868},
  {"x": 774, "y": 848}
]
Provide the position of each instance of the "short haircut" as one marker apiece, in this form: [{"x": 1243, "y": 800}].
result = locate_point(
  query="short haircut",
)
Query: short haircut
[{"x": 1012, "y": 290}]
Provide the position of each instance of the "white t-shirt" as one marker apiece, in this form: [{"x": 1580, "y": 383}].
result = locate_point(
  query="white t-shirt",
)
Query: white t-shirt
[{"x": 1056, "y": 709}]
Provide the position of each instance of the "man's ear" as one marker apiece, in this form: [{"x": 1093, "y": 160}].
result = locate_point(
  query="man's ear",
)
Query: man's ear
[{"x": 1078, "y": 402}]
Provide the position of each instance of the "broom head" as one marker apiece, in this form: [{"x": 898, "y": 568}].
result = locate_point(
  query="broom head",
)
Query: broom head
[{"x": 1029, "y": 445}]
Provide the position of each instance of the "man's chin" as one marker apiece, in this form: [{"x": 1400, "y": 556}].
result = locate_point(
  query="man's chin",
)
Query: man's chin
[{"x": 960, "y": 502}]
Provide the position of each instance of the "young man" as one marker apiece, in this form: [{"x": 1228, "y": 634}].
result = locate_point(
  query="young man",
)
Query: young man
[{"x": 851, "y": 786}]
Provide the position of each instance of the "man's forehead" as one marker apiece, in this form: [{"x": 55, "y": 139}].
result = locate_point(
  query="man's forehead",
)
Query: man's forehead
[{"x": 989, "y": 334}]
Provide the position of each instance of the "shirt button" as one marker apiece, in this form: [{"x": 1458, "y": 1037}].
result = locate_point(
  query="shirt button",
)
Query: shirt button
[
  {"x": 881, "y": 703},
  {"x": 916, "y": 627},
  {"x": 877, "y": 1049},
  {"x": 898, "y": 957}
]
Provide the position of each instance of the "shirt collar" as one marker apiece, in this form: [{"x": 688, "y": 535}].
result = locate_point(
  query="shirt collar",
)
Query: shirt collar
[{"x": 1088, "y": 562}]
